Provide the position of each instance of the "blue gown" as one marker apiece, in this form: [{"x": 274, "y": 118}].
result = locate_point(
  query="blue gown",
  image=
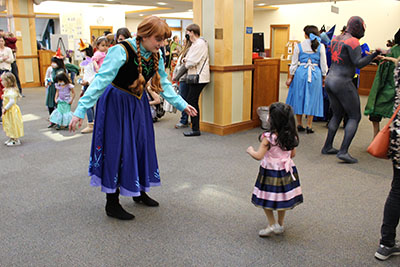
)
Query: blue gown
[
  {"x": 305, "y": 91},
  {"x": 123, "y": 153}
]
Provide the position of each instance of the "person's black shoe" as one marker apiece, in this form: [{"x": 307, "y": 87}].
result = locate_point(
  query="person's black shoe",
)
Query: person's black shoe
[
  {"x": 309, "y": 130},
  {"x": 146, "y": 200},
  {"x": 383, "y": 252},
  {"x": 300, "y": 128},
  {"x": 192, "y": 133},
  {"x": 51, "y": 125},
  {"x": 347, "y": 158},
  {"x": 330, "y": 151},
  {"x": 115, "y": 210}
]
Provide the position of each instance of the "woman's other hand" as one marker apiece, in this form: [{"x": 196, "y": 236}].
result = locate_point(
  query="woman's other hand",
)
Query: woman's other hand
[
  {"x": 288, "y": 82},
  {"x": 191, "y": 111},
  {"x": 75, "y": 120}
]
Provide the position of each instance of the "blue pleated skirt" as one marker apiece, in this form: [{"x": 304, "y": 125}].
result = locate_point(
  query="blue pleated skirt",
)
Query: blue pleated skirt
[
  {"x": 306, "y": 97},
  {"x": 123, "y": 153}
]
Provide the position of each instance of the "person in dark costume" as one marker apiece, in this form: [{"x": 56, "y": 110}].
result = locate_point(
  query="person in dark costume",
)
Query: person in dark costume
[
  {"x": 343, "y": 95},
  {"x": 123, "y": 155}
]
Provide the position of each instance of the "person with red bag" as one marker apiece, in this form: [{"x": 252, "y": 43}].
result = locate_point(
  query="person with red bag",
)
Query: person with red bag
[{"x": 391, "y": 214}]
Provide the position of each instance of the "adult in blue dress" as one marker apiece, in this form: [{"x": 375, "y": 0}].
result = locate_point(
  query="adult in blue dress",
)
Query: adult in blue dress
[
  {"x": 305, "y": 80},
  {"x": 123, "y": 157}
]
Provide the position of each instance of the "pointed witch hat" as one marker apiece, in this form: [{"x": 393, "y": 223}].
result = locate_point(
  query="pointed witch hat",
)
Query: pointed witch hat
[
  {"x": 58, "y": 54},
  {"x": 82, "y": 45}
]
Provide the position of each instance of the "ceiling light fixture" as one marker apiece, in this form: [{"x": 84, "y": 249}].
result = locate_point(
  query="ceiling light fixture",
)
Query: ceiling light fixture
[
  {"x": 261, "y": 4},
  {"x": 141, "y": 15},
  {"x": 161, "y": 3}
]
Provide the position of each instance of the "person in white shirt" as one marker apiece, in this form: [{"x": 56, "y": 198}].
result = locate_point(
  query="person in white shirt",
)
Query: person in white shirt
[{"x": 6, "y": 56}]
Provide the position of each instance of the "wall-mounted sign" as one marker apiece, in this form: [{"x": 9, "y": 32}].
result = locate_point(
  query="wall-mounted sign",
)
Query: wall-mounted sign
[
  {"x": 219, "y": 34},
  {"x": 249, "y": 30}
]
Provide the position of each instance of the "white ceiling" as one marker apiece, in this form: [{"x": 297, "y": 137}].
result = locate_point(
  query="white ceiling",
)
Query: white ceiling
[{"x": 176, "y": 6}]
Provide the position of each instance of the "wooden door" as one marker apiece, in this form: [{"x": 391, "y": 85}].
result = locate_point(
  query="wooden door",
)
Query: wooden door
[
  {"x": 279, "y": 37},
  {"x": 98, "y": 31}
]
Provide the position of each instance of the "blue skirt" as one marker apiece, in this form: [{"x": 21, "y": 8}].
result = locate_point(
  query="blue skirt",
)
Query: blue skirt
[
  {"x": 123, "y": 153},
  {"x": 306, "y": 97}
]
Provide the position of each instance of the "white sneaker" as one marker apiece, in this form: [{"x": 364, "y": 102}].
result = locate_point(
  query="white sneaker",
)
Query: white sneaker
[
  {"x": 8, "y": 141},
  {"x": 14, "y": 143},
  {"x": 266, "y": 232},
  {"x": 278, "y": 229}
]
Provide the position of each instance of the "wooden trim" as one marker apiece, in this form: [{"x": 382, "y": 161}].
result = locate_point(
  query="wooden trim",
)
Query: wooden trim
[
  {"x": 267, "y": 7},
  {"x": 228, "y": 129},
  {"x": 231, "y": 68},
  {"x": 32, "y": 84},
  {"x": 47, "y": 15},
  {"x": 21, "y": 16},
  {"x": 27, "y": 56},
  {"x": 147, "y": 10}
]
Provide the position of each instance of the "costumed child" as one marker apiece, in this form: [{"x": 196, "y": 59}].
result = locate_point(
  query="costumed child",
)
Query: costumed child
[
  {"x": 58, "y": 67},
  {"x": 88, "y": 75},
  {"x": 277, "y": 186},
  {"x": 65, "y": 94},
  {"x": 123, "y": 154},
  {"x": 12, "y": 119},
  {"x": 101, "y": 51}
]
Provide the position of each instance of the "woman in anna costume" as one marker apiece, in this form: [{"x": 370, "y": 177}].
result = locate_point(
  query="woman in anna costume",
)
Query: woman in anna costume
[{"x": 123, "y": 157}]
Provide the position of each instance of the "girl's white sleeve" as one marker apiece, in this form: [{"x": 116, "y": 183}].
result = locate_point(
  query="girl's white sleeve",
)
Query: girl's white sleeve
[
  {"x": 10, "y": 103},
  {"x": 322, "y": 63},
  {"x": 295, "y": 60}
]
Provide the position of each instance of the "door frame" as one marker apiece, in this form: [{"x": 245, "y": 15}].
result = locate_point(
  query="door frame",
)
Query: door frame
[{"x": 277, "y": 26}]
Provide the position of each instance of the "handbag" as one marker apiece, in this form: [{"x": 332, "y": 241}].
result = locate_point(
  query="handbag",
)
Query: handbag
[
  {"x": 380, "y": 145},
  {"x": 194, "y": 78}
]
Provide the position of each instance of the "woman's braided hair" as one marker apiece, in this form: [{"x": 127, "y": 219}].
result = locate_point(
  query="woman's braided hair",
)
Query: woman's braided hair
[{"x": 148, "y": 27}]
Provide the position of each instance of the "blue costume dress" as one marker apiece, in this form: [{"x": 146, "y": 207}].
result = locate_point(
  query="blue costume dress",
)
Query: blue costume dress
[
  {"x": 305, "y": 91},
  {"x": 123, "y": 153}
]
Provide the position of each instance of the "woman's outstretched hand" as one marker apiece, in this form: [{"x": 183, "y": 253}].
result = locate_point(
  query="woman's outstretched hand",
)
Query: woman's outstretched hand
[
  {"x": 74, "y": 121},
  {"x": 191, "y": 111}
]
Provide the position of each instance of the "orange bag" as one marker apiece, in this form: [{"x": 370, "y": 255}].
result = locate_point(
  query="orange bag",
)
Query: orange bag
[{"x": 380, "y": 145}]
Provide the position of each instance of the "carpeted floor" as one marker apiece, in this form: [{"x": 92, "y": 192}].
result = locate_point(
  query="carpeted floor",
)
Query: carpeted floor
[{"x": 50, "y": 216}]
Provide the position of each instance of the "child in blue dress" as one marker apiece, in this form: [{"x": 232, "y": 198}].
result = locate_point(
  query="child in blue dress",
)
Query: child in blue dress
[
  {"x": 277, "y": 186},
  {"x": 307, "y": 71},
  {"x": 65, "y": 94},
  {"x": 123, "y": 156}
]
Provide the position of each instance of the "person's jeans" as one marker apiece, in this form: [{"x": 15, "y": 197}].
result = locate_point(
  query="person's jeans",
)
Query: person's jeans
[
  {"x": 183, "y": 92},
  {"x": 90, "y": 111},
  {"x": 391, "y": 212},
  {"x": 14, "y": 70},
  {"x": 193, "y": 99}
]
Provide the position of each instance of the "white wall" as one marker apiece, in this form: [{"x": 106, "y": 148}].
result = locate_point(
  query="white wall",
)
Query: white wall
[
  {"x": 132, "y": 24},
  {"x": 381, "y": 17}
]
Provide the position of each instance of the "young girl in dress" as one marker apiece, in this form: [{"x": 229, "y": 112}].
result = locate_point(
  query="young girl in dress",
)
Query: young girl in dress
[
  {"x": 65, "y": 94},
  {"x": 101, "y": 51},
  {"x": 277, "y": 186},
  {"x": 12, "y": 119}
]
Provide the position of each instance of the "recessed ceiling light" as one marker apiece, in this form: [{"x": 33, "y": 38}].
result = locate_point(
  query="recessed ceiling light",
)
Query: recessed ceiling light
[
  {"x": 261, "y": 4},
  {"x": 161, "y": 3},
  {"x": 141, "y": 15},
  {"x": 110, "y": 0},
  {"x": 190, "y": 10}
]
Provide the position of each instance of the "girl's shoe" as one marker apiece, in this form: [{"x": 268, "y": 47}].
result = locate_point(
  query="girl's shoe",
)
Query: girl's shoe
[
  {"x": 266, "y": 232},
  {"x": 309, "y": 130},
  {"x": 300, "y": 128},
  {"x": 278, "y": 229},
  {"x": 14, "y": 143},
  {"x": 8, "y": 141}
]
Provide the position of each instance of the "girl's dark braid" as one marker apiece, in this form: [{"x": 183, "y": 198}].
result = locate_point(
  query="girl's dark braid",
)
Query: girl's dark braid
[{"x": 155, "y": 81}]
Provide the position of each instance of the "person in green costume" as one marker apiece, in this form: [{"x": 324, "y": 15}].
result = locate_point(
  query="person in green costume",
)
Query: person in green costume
[
  {"x": 175, "y": 49},
  {"x": 381, "y": 97}
]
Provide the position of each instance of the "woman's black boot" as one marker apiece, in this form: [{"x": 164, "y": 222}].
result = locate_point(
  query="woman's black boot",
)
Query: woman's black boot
[
  {"x": 114, "y": 209},
  {"x": 146, "y": 200}
]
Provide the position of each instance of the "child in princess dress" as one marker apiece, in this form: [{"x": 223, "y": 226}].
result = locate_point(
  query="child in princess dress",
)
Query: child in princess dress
[
  {"x": 64, "y": 96},
  {"x": 12, "y": 119},
  {"x": 277, "y": 186}
]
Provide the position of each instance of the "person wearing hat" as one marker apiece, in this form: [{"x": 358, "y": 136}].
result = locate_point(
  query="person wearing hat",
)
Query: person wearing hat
[
  {"x": 57, "y": 63},
  {"x": 343, "y": 95},
  {"x": 88, "y": 75}
]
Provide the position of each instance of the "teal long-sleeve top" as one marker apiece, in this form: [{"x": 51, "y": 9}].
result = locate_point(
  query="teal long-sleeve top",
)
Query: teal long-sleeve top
[{"x": 115, "y": 59}]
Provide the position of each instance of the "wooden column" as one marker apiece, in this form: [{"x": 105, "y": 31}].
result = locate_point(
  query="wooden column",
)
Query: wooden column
[{"x": 21, "y": 21}]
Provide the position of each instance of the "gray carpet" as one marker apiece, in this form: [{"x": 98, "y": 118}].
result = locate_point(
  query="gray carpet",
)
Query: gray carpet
[{"x": 50, "y": 216}]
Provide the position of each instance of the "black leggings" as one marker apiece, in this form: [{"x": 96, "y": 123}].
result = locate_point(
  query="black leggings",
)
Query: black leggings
[
  {"x": 193, "y": 99},
  {"x": 344, "y": 99}
]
